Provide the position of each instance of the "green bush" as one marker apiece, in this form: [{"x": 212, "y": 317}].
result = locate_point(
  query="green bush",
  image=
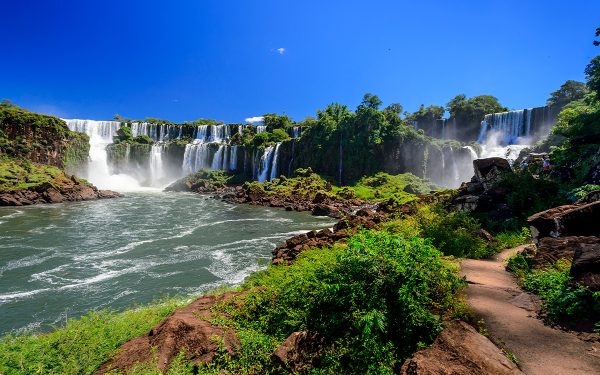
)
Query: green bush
[
  {"x": 376, "y": 301},
  {"x": 510, "y": 239},
  {"x": 453, "y": 232},
  {"x": 580, "y": 192},
  {"x": 561, "y": 299}
]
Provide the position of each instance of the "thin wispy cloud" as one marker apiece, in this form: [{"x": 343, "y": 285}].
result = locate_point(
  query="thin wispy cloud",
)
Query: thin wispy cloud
[
  {"x": 280, "y": 50},
  {"x": 254, "y": 119}
]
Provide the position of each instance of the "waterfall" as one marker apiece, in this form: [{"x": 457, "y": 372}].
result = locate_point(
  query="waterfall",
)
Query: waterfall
[
  {"x": 472, "y": 152},
  {"x": 156, "y": 164},
  {"x": 296, "y": 132},
  {"x": 233, "y": 158},
  {"x": 275, "y": 164},
  {"x": 265, "y": 162},
  {"x": 260, "y": 129},
  {"x": 101, "y": 134},
  {"x": 217, "y": 162},
  {"x": 505, "y": 134},
  {"x": 512, "y": 126}
]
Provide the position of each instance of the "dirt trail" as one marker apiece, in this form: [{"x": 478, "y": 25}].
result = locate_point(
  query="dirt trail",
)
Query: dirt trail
[{"x": 510, "y": 318}]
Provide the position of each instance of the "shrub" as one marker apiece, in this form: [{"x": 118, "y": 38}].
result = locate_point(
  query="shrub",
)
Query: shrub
[
  {"x": 453, "y": 232},
  {"x": 561, "y": 299},
  {"x": 580, "y": 192},
  {"x": 376, "y": 300}
]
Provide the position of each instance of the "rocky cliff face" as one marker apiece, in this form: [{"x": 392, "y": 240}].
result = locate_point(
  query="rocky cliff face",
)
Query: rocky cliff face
[
  {"x": 35, "y": 153},
  {"x": 41, "y": 139}
]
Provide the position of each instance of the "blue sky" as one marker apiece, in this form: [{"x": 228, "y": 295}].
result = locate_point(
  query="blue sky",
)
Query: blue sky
[{"x": 228, "y": 60}]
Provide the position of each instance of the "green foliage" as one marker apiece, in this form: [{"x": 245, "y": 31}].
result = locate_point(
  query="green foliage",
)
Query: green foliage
[
  {"x": 473, "y": 109},
  {"x": 562, "y": 300},
  {"x": 580, "y": 192},
  {"x": 528, "y": 195},
  {"x": 518, "y": 264},
  {"x": 273, "y": 121},
  {"x": 376, "y": 300},
  {"x": 279, "y": 135},
  {"x": 82, "y": 345},
  {"x": 592, "y": 75},
  {"x": 124, "y": 134},
  {"x": 370, "y": 101},
  {"x": 23, "y": 174},
  {"x": 453, "y": 232},
  {"x": 143, "y": 139},
  {"x": 510, "y": 239},
  {"x": 567, "y": 93},
  {"x": 383, "y": 186}
]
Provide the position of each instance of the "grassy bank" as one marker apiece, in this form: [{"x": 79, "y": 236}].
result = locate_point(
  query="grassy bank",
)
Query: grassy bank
[{"x": 24, "y": 174}]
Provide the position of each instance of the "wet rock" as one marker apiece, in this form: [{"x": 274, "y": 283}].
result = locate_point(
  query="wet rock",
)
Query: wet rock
[
  {"x": 459, "y": 349},
  {"x": 586, "y": 265},
  {"x": 488, "y": 170},
  {"x": 299, "y": 351},
  {"x": 326, "y": 210}
]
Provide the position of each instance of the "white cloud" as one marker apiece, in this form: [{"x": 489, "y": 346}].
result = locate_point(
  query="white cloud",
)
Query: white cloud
[
  {"x": 254, "y": 119},
  {"x": 281, "y": 50}
]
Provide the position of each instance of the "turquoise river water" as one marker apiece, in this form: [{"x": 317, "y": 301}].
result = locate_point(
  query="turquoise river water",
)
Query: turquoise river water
[{"x": 58, "y": 261}]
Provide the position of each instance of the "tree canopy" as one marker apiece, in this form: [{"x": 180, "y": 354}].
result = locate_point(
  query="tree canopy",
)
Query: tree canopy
[{"x": 568, "y": 92}]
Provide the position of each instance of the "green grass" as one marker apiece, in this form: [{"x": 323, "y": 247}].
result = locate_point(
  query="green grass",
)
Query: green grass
[
  {"x": 83, "y": 344},
  {"x": 562, "y": 301},
  {"x": 383, "y": 186},
  {"x": 23, "y": 174}
]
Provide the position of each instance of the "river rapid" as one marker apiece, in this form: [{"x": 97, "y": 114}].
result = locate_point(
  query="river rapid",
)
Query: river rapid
[{"x": 58, "y": 261}]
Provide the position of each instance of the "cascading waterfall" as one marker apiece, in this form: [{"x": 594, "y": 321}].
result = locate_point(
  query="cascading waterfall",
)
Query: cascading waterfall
[
  {"x": 209, "y": 149},
  {"x": 512, "y": 126},
  {"x": 275, "y": 164},
  {"x": 265, "y": 163},
  {"x": 260, "y": 129},
  {"x": 296, "y": 132},
  {"x": 101, "y": 134},
  {"x": 505, "y": 134},
  {"x": 156, "y": 164}
]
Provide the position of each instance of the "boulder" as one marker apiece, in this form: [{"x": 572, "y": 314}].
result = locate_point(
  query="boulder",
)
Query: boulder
[
  {"x": 188, "y": 330},
  {"x": 326, "y": 210},
  {"x": 459, "y": 349},
  {"x": 586, "y": 265},
  {"x": 299, "y": 351},
  {"x": 550, "y": 249},
  {"x": 568, "y": 220},
  {"x": 488, "y": 170}
]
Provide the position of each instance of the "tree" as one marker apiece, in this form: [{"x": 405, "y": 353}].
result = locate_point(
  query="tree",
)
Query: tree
[
  {"x": 592, "y": 75},
  {"x": 568, "y": 92},
  {"x": 370, "y": 101},
  {"x": 273, "y": 121},
  {"x": 5, "y": 103},
  {"x": 597, "y": 42}
]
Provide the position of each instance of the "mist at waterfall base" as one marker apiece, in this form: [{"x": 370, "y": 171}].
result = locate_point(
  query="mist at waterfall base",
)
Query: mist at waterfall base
[{"x": 60, "y": 260}]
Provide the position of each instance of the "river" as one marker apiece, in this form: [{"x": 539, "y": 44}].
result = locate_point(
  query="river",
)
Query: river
[{"x": 58, "y": 261}]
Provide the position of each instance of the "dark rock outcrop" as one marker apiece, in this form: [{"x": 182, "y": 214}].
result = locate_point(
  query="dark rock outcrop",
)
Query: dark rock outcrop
[
  {"x": 47, "y": 193},
  {"x": 580, "y": 219},
  {"x": 459, "y": 349},
  {"x": 290, "y": 249},
  {"x": 586, "y": 265},
  {"x": 551, "y": 249},
  {"x": 487, "y": 171}
]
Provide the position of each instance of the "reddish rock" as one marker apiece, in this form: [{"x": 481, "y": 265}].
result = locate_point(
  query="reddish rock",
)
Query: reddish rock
[
  {"x": 299, "y": 351},
  {"x": 459, "y": 349},
  {"x": 187, "y": 330}
]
